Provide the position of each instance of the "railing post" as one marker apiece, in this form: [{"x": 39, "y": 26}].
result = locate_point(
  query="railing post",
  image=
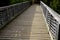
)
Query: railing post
[
  {"x": 59, "y": 33},
  {"x": 0, "y": 18}
]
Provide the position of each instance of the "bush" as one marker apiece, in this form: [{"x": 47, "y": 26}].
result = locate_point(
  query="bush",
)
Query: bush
[
  {"x": 54, "y": 4},
  {"x": 10, "y": 2},
  {"x": 17, "y": 1}
]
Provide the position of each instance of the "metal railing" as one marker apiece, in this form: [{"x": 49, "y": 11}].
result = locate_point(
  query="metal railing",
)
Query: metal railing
[
  {"x": 53, "y": 21},
  {"x": 7, "y": 13}
]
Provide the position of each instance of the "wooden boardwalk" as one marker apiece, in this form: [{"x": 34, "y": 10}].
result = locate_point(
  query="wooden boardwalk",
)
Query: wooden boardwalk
[{"x": 30, "y": 25}]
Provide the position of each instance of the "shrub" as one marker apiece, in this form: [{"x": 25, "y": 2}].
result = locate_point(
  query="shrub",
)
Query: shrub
[
  {"x": 54, "y": 4},
  {"x": 17, "y": 1}
]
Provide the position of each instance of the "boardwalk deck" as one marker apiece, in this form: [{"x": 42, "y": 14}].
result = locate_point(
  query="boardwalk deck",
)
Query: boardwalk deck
[{"x": 30, "y": 25}]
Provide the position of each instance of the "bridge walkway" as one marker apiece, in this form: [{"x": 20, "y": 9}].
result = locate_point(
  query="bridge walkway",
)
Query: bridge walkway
[{"x": 30, "y": 25}]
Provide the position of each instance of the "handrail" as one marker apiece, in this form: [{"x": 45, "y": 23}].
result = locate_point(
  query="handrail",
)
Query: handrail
[
  {"x": 7, "y": 13},
  {"x": 54, "y": 14},
  {"x": 53, "y": 20},
  {"x": 12, "y": 5}
]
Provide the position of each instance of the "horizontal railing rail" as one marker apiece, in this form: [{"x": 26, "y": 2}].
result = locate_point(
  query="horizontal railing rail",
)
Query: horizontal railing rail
[
  {"x": 7, "y": 13},
  {"x": 53, "y": 21}
]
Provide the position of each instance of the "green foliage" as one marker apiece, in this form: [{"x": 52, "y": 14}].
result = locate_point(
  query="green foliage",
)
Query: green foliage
[
  {"x": 45, "y": 1},
  {"x": 54, "y": 4},
  {"x": 17, "y": 1}
]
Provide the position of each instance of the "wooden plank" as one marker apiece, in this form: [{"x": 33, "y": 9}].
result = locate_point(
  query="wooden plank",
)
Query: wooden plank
[{"x": 30, "y": 25}]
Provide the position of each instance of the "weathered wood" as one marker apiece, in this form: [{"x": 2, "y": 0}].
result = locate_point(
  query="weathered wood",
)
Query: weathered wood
[{"x": 30, "y": 25}]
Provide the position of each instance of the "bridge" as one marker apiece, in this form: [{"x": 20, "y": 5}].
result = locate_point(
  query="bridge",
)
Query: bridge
[{"x": 24, "y": 21}]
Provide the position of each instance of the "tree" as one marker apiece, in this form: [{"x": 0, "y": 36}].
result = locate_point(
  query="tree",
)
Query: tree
[
  {"x": 17, "y": 1},
  {"x": 54, "y": 4}
]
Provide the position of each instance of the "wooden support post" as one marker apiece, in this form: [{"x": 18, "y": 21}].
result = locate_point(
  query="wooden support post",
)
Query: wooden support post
[{"x": 32, "y": 1}]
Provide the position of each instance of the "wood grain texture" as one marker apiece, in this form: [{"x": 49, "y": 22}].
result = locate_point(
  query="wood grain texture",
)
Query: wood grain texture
[{"x": 30, "y": 25}]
